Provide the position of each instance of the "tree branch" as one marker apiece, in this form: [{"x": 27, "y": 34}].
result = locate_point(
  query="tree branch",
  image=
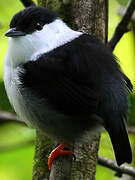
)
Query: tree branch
[
  {"x": 8, "y": 116},
  {"x": 44, "y": 146},
  {"x": 122, "y": 26},
  {"x": 121, "y": 12},
  {"x": 28, "y": 3},
  {"x": 131, "y": 129},
  {"x": 124, "y": 169}
]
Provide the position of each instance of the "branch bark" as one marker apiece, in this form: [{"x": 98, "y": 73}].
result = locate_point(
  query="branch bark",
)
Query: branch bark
[
  {"x": 44, "y": 146},
  {"x": 119, "y": 169},
  {"x": 28, "y": 3},
  {"x": 91, "y": 17},
  {"x": 88, "y": 16},
  {"x": 123, "y": 25}
]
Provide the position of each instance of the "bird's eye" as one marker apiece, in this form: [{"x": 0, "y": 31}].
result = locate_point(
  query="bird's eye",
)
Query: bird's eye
[{"x": 38, "y": 27}]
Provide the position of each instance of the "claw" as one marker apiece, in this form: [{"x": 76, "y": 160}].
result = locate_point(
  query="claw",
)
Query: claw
[{"x": 58, "y": 152}]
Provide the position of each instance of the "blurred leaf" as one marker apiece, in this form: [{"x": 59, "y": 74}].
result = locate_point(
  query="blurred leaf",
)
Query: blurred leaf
[
  {"x": 122, "y": 2},
  {"x": 4, "y": 102}
]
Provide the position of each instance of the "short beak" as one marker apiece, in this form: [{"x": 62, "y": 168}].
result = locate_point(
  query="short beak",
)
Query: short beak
[{"x": 13, "y": 32}]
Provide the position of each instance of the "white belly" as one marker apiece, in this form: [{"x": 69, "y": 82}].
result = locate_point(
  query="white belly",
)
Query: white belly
[
  {"x": 11, "y": 81},
  {"x": 16, "y": 55}
]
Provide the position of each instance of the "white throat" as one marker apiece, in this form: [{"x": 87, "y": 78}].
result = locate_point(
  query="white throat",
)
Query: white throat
[{"x": 24, "y": 48}]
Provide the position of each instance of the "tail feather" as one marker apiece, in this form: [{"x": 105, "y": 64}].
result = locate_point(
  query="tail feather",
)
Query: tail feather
[{"x": 120, "y": 141}]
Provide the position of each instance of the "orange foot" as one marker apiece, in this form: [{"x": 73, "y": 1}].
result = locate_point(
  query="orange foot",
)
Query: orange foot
[{"x": 56, "y": 153}]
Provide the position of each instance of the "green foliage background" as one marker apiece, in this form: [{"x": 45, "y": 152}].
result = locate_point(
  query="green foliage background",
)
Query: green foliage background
[
  {"x": 16, "y": 141},
  {"x": 123, "y": 2}
]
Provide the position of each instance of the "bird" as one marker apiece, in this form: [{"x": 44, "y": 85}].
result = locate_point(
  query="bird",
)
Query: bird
[{"x": 64, "y": 82}]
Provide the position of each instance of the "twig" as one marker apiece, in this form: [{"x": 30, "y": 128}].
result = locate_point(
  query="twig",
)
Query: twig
[
  {"x": 8, "y": 116},
  {"x": 46, "y": 4},
  {"x": 124, "y": 169},
  {"x": 28, "y": 3},
  {"x": 122, "y": 26},
  {"x": 121, "y": 12},
  {"x": 131, "y": 129}
]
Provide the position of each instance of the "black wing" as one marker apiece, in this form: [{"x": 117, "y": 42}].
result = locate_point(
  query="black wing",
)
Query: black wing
[
  {"x": 69, "y": 78},
  {"x": 114, "y": 105}
]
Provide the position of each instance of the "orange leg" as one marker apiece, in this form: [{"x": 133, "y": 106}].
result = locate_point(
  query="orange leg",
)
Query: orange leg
[{"x": 56, "y": 153}]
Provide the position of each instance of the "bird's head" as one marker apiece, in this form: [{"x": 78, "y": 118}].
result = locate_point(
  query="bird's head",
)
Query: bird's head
[
  {"x": 36, "y": 30},
  {"x": 30, "y": 20},
  {"x": 33, "y": 31}
]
